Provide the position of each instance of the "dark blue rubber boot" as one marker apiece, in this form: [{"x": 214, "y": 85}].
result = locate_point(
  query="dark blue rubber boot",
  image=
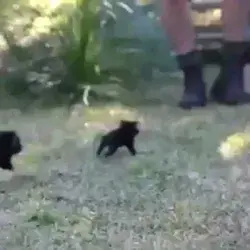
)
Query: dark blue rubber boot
[
  {"x": 194, "y": 95},
  {"x": 228, "y": 88}
]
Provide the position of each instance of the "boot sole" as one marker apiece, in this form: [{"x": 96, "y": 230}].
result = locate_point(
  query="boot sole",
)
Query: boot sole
[
  {"x": 240, "y": 101},
  {"x": 192, "y": 105}
]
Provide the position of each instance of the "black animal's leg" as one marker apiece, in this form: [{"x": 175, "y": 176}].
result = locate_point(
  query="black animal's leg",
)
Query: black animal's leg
[
  {"x": 111, "y": 151},
  {"x": 7, "y": 165},
  {"x": 10, "y": 166},
  {"x": 131, "y": 148},
  {"x": 101, "y": 147}
]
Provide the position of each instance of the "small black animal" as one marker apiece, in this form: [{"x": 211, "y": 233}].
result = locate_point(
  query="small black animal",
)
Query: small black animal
[
  {"x": 10, "y": 145},
  {"x": 124, "y": 135}
]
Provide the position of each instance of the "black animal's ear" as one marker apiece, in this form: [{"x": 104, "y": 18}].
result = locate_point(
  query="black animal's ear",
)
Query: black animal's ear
[
  {"x": 135, "y": 123},
  {"x": 123, "y": 123}
]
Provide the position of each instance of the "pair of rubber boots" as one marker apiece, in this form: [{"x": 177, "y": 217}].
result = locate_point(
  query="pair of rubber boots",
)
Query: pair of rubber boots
[{"x": 228, "y": 88}]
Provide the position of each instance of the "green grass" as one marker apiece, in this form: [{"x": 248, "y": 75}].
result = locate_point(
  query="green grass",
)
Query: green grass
[{"x": 181, "y": 195}]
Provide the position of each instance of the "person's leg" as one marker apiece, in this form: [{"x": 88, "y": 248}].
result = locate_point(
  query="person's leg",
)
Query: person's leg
[
  {"x": 177, "y": 21},
  {"x": 229, "y": 89}
]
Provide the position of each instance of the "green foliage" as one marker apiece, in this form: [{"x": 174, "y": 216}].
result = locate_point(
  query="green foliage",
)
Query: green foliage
[
  {"x": 80, "y": 47},
  {"x": 65, "y": 35},
  {"x": 20, "y": 53}
]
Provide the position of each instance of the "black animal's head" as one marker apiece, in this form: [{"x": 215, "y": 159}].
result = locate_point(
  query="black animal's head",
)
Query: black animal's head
[
  {"x": 129, "y": 127},
  {"x": 10, "y": 143}
]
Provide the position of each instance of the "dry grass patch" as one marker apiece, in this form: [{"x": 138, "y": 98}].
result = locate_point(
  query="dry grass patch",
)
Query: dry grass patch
[{"x": 181, "y": 196}]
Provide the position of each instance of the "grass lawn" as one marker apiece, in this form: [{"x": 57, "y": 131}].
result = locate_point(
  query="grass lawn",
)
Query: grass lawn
[{"x": 181, "y": 195}]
